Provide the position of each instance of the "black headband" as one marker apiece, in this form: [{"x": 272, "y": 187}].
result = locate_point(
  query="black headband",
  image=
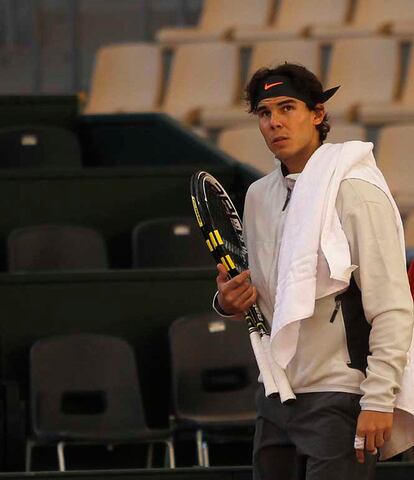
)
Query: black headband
[{"x": 281, "y": 86}]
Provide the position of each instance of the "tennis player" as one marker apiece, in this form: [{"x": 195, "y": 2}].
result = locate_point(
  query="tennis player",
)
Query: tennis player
[{"x": 346, "y": 360}]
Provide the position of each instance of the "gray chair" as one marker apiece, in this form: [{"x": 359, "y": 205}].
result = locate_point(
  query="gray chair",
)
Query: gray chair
[
  {"x": 84, "y": 390},
  {"x": 214, "y": 380},
  {"x": 56, "y": 247},
  {"x": 169, "y": 242},
  {"x": 39, "y": 147}
]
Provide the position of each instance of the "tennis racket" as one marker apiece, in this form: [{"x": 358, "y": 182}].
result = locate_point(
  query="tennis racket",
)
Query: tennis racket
[{"x": 222, "y": 229}]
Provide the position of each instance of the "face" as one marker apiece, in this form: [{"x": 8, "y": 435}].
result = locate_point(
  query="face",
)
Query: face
[{"x": 288, "y": 127}]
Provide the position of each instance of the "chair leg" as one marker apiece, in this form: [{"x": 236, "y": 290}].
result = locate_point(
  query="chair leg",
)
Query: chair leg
[
  {"x": 61, "y": 456},
  {"x": 199, "y": 440},
  {"x": 150, "y": 455},
  {"x": 170, "y": 452},
  {"x": 28, "y": 461}
]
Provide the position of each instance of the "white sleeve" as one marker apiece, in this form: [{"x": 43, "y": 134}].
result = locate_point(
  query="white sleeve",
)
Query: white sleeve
[{"x": 371, "y": 229}]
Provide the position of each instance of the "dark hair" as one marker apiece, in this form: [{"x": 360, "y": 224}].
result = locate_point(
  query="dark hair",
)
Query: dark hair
[{"x": 302, "y": 79}]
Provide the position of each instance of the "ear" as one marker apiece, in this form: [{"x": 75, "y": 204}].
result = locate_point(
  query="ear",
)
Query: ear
[{"x": 319, "y": 113}]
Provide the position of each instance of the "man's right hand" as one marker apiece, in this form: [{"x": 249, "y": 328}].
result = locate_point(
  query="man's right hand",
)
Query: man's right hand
[{"x": 236, "y": 295}]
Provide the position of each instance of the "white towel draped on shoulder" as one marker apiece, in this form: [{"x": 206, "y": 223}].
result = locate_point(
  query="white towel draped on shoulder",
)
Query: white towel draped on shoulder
[{"x": 313, "y": 229}]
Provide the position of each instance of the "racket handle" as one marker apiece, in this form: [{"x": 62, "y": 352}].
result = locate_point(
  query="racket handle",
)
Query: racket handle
[
  {"x": 273, "y": 376},
  {"x": 279, "y": 375},
  {"x": 264, "y": 368}
]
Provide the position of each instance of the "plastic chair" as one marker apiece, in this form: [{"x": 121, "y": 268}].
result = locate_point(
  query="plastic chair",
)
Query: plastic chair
[
  {"x": 370, "y": 17},
  {"x": 264, "y": 54},
  {"x": 218, "y": 18},
  {"x": 247, "y": 145},
  {"x": 395, "y": 145},
  {"x": 377, "y": 62},
  {"x": 214, "y": 380},
  {"x": 296, "y": 18},
  {"x": 126, "y": 79},
  {"x": 84, "y": 390},
  {"x": 39, "y": 147},
  {"x": 169, "y": 242},
  {"x": 202, "y": 75},
  {"x": 394, "y": 111},
  {"x": 56, "y": 247}
]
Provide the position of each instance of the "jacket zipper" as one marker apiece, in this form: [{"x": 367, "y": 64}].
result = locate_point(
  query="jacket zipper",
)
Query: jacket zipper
[{"x": 336, "y": 310}]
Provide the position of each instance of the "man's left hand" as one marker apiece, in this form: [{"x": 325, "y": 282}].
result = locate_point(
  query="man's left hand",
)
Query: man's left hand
[{"x": 375, "y": 427}]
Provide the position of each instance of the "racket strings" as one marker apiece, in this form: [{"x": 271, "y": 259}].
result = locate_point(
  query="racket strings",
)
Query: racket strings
[{"x": 232, "y": 242}]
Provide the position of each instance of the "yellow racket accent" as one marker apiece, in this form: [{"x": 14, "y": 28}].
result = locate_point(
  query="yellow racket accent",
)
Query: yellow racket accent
[
  {"x": 213, "y": 239},
  {"x": 218, "y": 237},
  {"x": 230, "y": 262},
  {"x": 197, "y": 214},
  {"x": 210, "y": 247},
  {"x": 223, "y": 261}
]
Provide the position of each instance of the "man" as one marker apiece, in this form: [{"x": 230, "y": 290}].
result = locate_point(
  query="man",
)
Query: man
[{"x": 349, "y": 354}]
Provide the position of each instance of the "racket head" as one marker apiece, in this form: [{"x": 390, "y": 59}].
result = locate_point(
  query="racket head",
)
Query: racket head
[{"x": 219, "y": 222}]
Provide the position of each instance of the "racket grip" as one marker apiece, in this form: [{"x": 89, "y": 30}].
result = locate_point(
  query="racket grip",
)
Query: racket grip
[
  {"x": 264, "y": 368},
  {"x": 273, "y": 376},
  {"x": 279, "y": 375}
]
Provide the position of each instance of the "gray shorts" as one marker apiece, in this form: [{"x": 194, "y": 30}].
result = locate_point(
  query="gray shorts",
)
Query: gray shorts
[{"x": 312, "y": 439}]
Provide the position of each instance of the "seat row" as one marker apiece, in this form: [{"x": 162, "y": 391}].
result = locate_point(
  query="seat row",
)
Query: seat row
[
  {"x": 52, "y": 147},
  {"x": 158, "y": 243},
  {"x": 128, "y": 78},
  {"x": 169, "y": 242},
  {"x": 85, "y": 389},
  {"x": 245, "y": 21}
]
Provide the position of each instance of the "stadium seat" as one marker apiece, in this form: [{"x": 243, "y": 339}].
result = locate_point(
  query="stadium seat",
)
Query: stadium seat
[
  {"x": 55, "y": 247},
  {"x": 246, "y": 144},
  {"x": 218, "y": 19},
  {"x": 214, "y": 380},
  {"x": 39, "y": 147},
  {"x": 202, "y": 75},
  {"x": 264, "y": 54},
  {"x": 343, "y": 132},
  {"x": 126, "y": 79},
  {"x": 295, "y": 18},
  {"x": 370, "y": 17},
  {"x": 169, "y": 242},
  {"x": 84, "y": 389},
  {"x": 395, "y": 111},
  {"x": 395, "y": 145},
  {"x": 101, "y": 22},
  {"x": 358, "y": 65}
]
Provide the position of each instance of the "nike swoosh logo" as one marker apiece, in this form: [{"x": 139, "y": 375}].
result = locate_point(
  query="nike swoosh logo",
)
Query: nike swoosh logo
[{"x": 270, "y": 85}]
